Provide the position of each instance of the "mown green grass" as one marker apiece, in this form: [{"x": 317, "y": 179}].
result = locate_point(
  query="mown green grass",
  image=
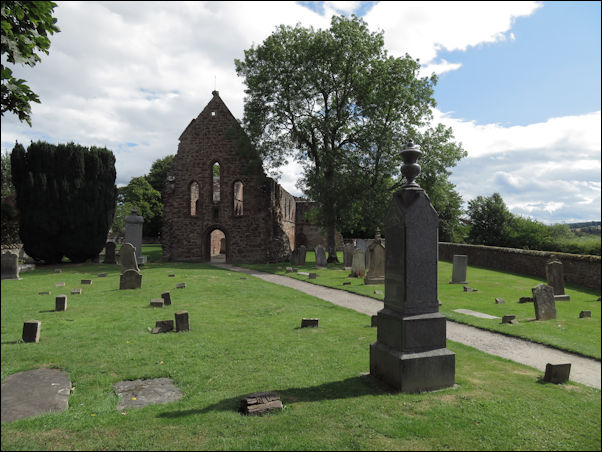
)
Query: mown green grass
[
  {"x": 567, "y": 332},
  {"x": 244, "y": 338}
]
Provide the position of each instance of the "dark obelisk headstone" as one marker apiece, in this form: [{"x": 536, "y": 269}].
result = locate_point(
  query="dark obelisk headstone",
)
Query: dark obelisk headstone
[
  {"x": 133, "y": 234},
  {"x": 410, "y": 353},
  {"x": 110, "y": 253}
]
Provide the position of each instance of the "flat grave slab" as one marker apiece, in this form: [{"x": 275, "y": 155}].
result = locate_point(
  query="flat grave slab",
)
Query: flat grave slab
[
  {"x": 138, "y": 393},
  {"x": 481, "y": 315},
  {"x": 34, "y": 392}
]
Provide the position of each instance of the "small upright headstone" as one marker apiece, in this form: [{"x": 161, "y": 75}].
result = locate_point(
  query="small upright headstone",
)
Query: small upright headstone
[
  {"x": 309, "y": 323},
  {"x": 347, "y": 255},
  {"x": 500, "y": 301},
  {"x": 162, "y": 326},
  {"x": 110, "y": 253},
  {"x": 555, "y": 275},
  {"x": 557, "y": 373},
  {"x": 294, "y": 259},
  {"x": 76, "y": 291},
  {"x": 509, "y": 319},
  {"x": 543, "y": 298},
  {"x": 584, "y": 314},
  {"x": 86, "y": 281},
  {"x": 60, "y": 303},
  {"x": 320, "y": 256},
  {"x": 130, "y": 277},
  {"x": 460, "y": 263},
  {"x": 470, "y": 289},
  {"x": 312, "y": 275},
  {"x": 182, "y": 321},
  {"x": 358, "y": 264},
  {"x": 166, "y": 298},
  {"x": 289, "y": 269},
  {"x": 10, "y": 265},
  {"x": 302, "y": 254},
  {"x": 133, "y": 234},
  {"x": 360, "y": 244},
  {"x": 181, "y": 285},
  {"x": 31, "y": 331},
  {"x": 376, "y": 273},
  {"x": 157, "y": 302}
]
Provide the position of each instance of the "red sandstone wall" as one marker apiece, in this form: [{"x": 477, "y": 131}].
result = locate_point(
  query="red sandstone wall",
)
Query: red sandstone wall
[{"x": 580, "y": 270}]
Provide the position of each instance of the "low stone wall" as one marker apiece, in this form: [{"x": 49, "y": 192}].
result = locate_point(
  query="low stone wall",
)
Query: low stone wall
[{"x": 580, "y": 270}]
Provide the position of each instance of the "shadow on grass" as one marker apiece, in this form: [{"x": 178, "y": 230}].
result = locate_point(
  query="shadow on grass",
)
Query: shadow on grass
[{"x": 349, "y": 388}]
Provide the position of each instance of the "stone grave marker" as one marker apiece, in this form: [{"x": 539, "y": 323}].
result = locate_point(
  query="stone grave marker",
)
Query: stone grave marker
[
  {"x": 347, "y": 283},
  {"x": 302, "y": 254},
  {"x": 557, "y": 373},
  {"x": 289, "y": 269},
  {"x": 60, "y": 303},
  {"x": 166, "y": 298},
  {"x": 76, "y": 291},
  {"x": 320, "y": 256},
  {"x": 525, "y": 300},
  {"x": 10, "y": 265},
  {"x": 59, "y": 284},
  {"x": 470, "y": 289},
  {"x": 31, "y": 331},
  {"x": 376, "y": 273},
  {"x": 410, "y": 353},
  {"x": 133, "y": 234},
  {"x": 110, "y": 253},
  {"x": 138, "y": 393},
  {"x": 86, "y": 281},
  {"x": 509, "y": 319},
  {"x": 130, "y": 277},
  {"x": 162, "y": 326},
  {"x": 182, "y": 323},
  {"x": 260, "y": 403},
  {"x": 460, "y": 263},
  {"x": 312, "y": 275},
  {"x": 500, "y": 301},
  {"x": 555, "y": 276},
  {"x": 157, "y": 302},
  {"x": 361, "y": 244},
  {"x": 374, "y": 321},
  {"x": 309, "y": 323},
  {"x": 543, "y": 298},
  {"x": 102, "y": 275},
  {"x": 181, "y": 285},
  {"x": 584, "y": 314},
  {"x": 358, "y": 264},
  {"x": 348, "y": 255}
]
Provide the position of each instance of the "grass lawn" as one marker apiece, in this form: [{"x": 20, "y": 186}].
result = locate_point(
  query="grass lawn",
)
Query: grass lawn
[
  {"x": 567, "y": 332},
  {"x": 245, "y": 338}
]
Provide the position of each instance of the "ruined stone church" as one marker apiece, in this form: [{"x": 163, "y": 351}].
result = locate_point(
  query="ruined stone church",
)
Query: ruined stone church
[{"x": 215, "y": 209}]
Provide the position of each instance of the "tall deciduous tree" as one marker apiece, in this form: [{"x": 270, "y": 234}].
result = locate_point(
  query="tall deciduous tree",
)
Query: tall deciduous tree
[
  {"x": 490, "y": 221},
  {"x": 66, "y": 199},
  {"x": 336, "y": 101},
  {"x": 25, "y": 29}
]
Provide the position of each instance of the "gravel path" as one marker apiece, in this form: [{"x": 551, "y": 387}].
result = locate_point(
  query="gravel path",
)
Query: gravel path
[{"x": 583, "y": 370}]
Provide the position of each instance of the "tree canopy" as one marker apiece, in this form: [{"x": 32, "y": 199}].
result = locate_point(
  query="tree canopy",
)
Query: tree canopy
[
  {"x": 338, "y": 103},
  {"x": 25, "y": 29}
]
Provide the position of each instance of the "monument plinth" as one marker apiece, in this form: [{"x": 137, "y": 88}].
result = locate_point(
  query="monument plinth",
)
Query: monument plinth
[{"x": 410, "y": 353}]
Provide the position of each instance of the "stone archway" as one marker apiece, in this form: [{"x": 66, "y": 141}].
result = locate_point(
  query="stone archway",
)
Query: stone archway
[{"x": 216, "y": 245}]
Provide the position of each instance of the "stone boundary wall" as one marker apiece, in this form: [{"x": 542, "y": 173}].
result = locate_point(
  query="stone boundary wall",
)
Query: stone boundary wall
[{"x": 578, "y": 269}]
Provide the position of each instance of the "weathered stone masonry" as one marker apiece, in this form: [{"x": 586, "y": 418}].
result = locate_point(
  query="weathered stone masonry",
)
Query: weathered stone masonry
[{"x": 259, "y": 226}]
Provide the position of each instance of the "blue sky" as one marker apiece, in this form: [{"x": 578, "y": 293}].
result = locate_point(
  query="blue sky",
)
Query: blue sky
[{"x": 519, "y": 83}]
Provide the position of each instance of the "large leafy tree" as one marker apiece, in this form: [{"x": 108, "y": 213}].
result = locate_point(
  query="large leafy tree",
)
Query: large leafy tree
[
  {"x": 337, "y": 102},
  {"x": 25, "y": 29},
  {"x": 490, "y": 221},
  {"x": 66, "y": 199},
  {"x": 158, "y": 172},
  {"x": 140, "y": 194}
]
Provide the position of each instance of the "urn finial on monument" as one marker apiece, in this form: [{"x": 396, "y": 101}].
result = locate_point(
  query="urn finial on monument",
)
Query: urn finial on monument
[{"x": 409, "y": 168}]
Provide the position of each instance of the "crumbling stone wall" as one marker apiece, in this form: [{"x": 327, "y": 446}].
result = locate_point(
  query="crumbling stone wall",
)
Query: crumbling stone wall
[{"x": 307, "y": 232}]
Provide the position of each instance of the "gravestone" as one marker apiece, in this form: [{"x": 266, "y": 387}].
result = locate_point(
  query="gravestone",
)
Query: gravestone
[
  {"x": 133, "y": 234},
  {"x": 302, "y": 254},
  {"x": 370, "y": 243},
  {"x": 543, "y": 298},
  {"x": 86, "y": 281},
  {"x": 138, "y": 393},
  {"x": 182, "y": 321},
  {"x": 166, "y": 298},
  {"x": 181, "y": 285},
  {"x": 76, "y": 291},
  {"x": 525, "y": 300},
  {"x": 294, "y": 257},
  {"x": 500, "y": 301},
  {"x": 347, "y": 255},
  {"x": 410, "y": 353},
  {"x": 312, "y": 275},
  {"x": 509, "y": 319},
  {"x": 360, "y": 244},
  {"x": 309, "y": 323},
  {"x": 60, "y": 303},
  {"x": 10, "y": 265},
  {"x": 110, "y": 253},
  {"x": 130, "y": 278},
  {"x": 376, "y": 273},
  {"x": 585, "y": 314},
  {"x": 157, "y": 302},
  {"x": 555, "y": 275},
  {"x": 162, "y": 326},
  {"x": 260, "y": 403},
  {"x": 460, "y": 263},
  {"x": 358, "y": 264},
  {"x": 320, "y": 256},
  {"x": 557, "y": 373},
  {"x": 31, "y": 331}
]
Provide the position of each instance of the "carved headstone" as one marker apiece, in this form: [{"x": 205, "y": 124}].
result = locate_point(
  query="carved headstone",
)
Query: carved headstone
[
  {"x": 157, "y": 302},
  {"x": 182, "y": 321},
  {"x": 309, "y": 323},
  {"x": 348, "y": 255},
  {"x": 557, "y": 373},
  {"x": 31, "y": 331},
  {"x": 376, "y": 273},
  {"x": 130, "y": 278},
  {"x": 302, "y": 254},
  {"x": 460, "y": 263},
  {"x": 166, "y": 298},
  {"x": 110, "y": 253},
  {"x": 10, "y": 265},
  {"x": 555, "y": 275},
  {"x": 60, "y": 303},
  {"x": 294, "y": 257},
  {"x": 410, "y": 353},
  {"x": 320, "y": 256},
  {"x": 162, "y": 326},
  {"x": 361, "y": 244},
  {"x": 543, "y": 298},
  {"x": 133, "y": 234},
  {"x": 358, "y": 264}
]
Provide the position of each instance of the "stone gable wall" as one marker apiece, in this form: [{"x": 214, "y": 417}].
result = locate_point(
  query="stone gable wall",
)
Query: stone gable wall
[{"x": 579, "y": 270}]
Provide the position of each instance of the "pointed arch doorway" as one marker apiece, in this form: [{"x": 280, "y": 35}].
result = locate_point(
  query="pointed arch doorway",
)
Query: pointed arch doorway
[{"x": 216, "y": 245}]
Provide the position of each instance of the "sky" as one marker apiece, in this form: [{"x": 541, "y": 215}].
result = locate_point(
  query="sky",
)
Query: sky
[{"x": 519, "y": 84}]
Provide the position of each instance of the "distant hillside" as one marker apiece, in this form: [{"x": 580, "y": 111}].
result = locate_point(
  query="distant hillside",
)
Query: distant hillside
[
  {"x": 587, "y": 227},
  {"x": 585, "y": 224}
]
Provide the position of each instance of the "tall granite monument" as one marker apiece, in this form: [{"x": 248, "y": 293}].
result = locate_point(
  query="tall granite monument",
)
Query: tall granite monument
[
  {"x": 133, "y": 234},
  {"x": 410, "y": 353}
]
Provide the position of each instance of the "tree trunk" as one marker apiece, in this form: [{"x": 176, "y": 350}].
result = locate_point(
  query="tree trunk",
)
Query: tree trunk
[{"x": 331, "y": 240}]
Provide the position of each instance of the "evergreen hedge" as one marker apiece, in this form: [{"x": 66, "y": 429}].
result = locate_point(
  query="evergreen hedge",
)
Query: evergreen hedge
[{"x": 66, "y": 197}]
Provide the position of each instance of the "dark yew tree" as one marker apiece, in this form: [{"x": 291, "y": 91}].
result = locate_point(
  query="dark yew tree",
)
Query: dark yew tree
[
  {"x": 66, "y": 198},
  {"x": 334, "y": 100}
]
